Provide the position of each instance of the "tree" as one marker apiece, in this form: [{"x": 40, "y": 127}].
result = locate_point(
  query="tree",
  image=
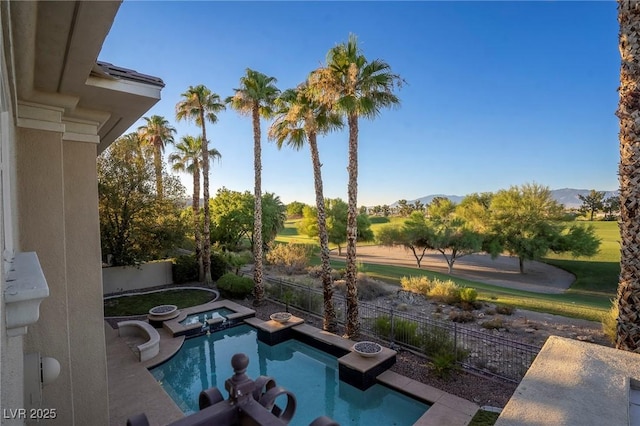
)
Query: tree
[
  {"x": 256, "y": 97},
  {"x": 355, "y": 87},
  {"x": 611, "y": 206},
  {"x": 300, "y": 119},
  {"x": 441, "y": 207},
  {"x": 628, "y": 297},
  {"x": 592, "y": 202},
  {"x": 199, "y": 104},
  {"x": 188, "y": 158},
  {"x": 156, "y": 133},
  {"x": 135, "y": 225},
  {"x": 294, "y": 209},
  {"x": 528, "y": 223},
  {"x": 414, "y": 235},
  {"x": 336, "y": 223},
  {"x": 233, "y": 218},
  {"x": 404, "y": 209},
  {"x": 452, "y": 238}
]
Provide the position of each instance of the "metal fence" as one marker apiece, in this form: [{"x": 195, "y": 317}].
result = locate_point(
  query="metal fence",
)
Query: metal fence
[{"x": 478, "y": 351}]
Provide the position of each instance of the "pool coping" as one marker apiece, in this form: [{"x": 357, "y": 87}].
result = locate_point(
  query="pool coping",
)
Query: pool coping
[{"x": 446, "y": 409}]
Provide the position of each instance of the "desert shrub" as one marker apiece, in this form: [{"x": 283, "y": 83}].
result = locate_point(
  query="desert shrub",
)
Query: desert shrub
[
  {"x": 463, "y": 316},
  {"x": 219, "y": 266},
  {"x": 314, "y": 271},
  {"x": 437, "y": 341},
  {"x": 493, "y": 324},
  {"x": 610, "y": 322},
  {"x": 421, "y": 285},
  {"x": 404, "y": 331},
  {"x": 291, "y": 257},
  {"x": 234, "y": 286},
  {"x": 468, "y": 295},
  {"x": 337, "y": 274},
  {"x": 489, "y": 311},
  {"x": 505, "y": 310},
  {"x": 445, "y": 291},
  {"x": 184, "y": 269},
  {"x": 443, "y": 364},
  {"x": 369, "y": 289}
]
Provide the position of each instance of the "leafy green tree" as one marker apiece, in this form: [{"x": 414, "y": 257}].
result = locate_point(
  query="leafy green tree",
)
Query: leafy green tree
[
  {"x": 188, "y": 159},
  {"x": 415, "y": 235},
  {"x": 528, "y": 223},
  {"x": 404, "y": 209},
  {"x": 256, "y": 97},
  {"x": 300, "y": 119},
  {"x": 474, "y": 209},
  {"x": 294, "y": 209},
  {"x": 356, "y": 87},
  {"x": 199, "y": 104},
  {"x": 135, "y": 225},
  {"x": 452, "y": 238},
  {"x": 592, "y": 202},
  {"x": 441, "y": 207},
  {"x": 336, "y": 223},
  {"x": 233, "y": 218},
  {"x": 611, "y": 206},
  {"x": 156, "y": 133}
]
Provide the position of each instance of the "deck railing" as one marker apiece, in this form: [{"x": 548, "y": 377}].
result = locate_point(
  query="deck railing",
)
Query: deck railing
[{"x": 481, "y": 352}]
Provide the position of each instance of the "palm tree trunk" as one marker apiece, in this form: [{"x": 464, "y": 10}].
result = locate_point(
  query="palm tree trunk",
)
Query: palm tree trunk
[
  {"x": 628, "y": 326},
  {"x": 352, "y": 327},
  {"x": 157, "y": 163},
  {"x": 329, "y": 322},
  {"x": 196, "y": 220},
  {"x": 258, "y": 290},
  {"x": 206, "y": 234}
]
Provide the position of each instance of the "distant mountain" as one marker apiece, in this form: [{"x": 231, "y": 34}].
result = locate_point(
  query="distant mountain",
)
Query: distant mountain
[{"x": 566, "y": 196}]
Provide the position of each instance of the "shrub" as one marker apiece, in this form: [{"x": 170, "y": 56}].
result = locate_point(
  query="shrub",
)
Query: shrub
[
  {"x": 219, "y": 266},
  {"x": 290, "y": 257},
  {"x": 443, "y": 364},
  {"x": 315, "y": 271},
  {"x": 462, "y": 316},
  {"x": 610, "y": 322},
  {"x": 237, "y": 260},
  {"x": 421, "y": 285},
  {"x": 369, "y": 289},
  {"x": 493, "y": 324},
  {"x": 234, "y": 286},
  {"x": 184, "y": 269},
  {"x": 505, "y": 310},
  {"x": 468, "y": 295},
  {"x": 437, "y": 341},
  {"x": 445, "y": 291},
  {"x": 404, "y": 331}
]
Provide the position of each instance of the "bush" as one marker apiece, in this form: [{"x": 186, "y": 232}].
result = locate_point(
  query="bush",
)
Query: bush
[
  {"x": 219, "y": 266},
  {"x": 468, "y": 295},
  {"x": 369, "y": 289},
  {"x": 237, "y": 260},
  {"x": 421, "y": 285},
  {"x": 235, "y": 287},
  {"x": 462, "y": 316},
  {"x": 437, "y": 341},
  {"x": 443, "y": 364},
  {"x": 493, "y": 324},
  {"x": 445, "y": 291},
  {"x": 505, "y": 310},
  {"x": 404, "y": 331},
  {"x": 610, "y": 322},
  {"x": 184, "y": 269},
  {"x": 291, "y": 257}
]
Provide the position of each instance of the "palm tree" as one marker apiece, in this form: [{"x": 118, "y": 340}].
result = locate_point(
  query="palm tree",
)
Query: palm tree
[
  {"x": 156, "y": 133},
  {"x": 299, "y": 120},
  {"x": 628, "y": 299},
  {"x": 188, "y": 159},
  {"x": 255, "y": 97},
  {"x": 201, "y": 105},
  {"x": 356, "y": 87}
]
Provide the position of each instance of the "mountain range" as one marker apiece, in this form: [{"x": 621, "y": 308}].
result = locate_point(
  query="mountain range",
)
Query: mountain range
[{"x": 566, "y": 196}]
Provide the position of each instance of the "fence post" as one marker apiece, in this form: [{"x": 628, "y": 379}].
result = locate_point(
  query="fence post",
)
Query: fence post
[
  {"x": 392, "y": 332},
  {"x": 455, "y": 341},
  {"x": 309, "y": 299}
]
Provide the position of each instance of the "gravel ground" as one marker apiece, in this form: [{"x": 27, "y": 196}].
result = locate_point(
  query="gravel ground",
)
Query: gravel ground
[{"x": 481, "y": 390}]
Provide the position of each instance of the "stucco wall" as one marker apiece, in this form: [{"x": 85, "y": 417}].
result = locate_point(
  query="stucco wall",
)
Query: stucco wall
[
  {"x": 124, "y": 278},
  {"x": 58, "y": 205}
]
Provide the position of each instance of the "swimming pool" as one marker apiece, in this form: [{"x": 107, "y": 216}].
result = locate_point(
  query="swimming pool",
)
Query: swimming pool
[
  {"x": 312, "y": 375},
  {"x": 202, "y": 317}
]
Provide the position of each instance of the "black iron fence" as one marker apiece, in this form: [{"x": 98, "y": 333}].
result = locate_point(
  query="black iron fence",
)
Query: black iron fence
[{"x": 478, "y": 351}]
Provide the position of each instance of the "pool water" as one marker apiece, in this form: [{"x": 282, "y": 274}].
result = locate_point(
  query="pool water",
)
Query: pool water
[
  {"x": 200, "y": 317},
  {"x": 312, "y": 375}
]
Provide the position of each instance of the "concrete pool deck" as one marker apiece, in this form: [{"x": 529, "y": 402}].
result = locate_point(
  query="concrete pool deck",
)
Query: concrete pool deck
[{"x": 133, "y": 390}]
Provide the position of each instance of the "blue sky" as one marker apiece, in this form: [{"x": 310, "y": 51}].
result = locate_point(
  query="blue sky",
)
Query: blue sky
[{"x": 497, "y": 94}]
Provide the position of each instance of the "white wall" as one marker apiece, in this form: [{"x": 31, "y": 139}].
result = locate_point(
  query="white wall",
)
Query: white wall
[{"x": 124, "y": 278}]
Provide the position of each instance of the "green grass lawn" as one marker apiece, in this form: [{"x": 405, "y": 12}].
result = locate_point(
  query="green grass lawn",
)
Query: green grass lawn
[
  {"x": 589, "y": 296},
  {"x": 140, "y": 304}
]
